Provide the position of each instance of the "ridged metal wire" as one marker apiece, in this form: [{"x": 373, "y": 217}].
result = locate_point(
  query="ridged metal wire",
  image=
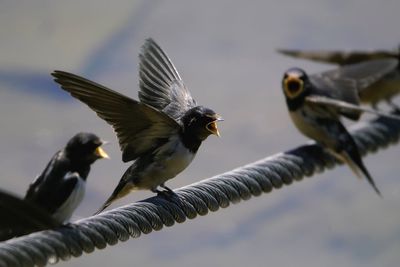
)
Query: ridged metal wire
[{"x": 199, "y": 198}]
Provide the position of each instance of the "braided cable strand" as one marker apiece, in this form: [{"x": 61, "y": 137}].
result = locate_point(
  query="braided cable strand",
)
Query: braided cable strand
[{"x": 210, "y": 194}]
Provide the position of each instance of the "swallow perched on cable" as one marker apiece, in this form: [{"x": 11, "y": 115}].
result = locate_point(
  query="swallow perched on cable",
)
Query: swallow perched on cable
[
  {"x": 61, "y": 186},
  {"x": 317, "y": 102},
  {"x": 162, "y": 132},
  {"x": 383, "y": 89}
]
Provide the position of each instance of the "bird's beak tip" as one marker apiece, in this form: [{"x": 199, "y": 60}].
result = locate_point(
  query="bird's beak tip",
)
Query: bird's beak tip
[
  {"x": 213, "y": 128},
  {"x": 101, "y": 153}
]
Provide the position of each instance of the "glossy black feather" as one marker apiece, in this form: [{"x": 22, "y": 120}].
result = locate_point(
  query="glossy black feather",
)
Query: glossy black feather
[
  {"x": 55, "y": 184},
  {"x": 20, "y": 217},
  {"x": 47, "y": 190}
]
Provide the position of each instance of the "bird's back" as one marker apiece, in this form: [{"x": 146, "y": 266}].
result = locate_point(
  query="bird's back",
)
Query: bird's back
[{"x": 44, "y": 186}]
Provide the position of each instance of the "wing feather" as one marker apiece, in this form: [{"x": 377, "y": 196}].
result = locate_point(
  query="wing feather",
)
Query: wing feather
[
  {"x": 365, "y": 73},
  {"x": 161, "y": 86},
  {"x": 342, "y": 106},
  {"x": 138, "y": 126},
  {"x": 348, "y": 82},
  {"x": 354, "y": 78},
  {"x": 339, "y": 57}
]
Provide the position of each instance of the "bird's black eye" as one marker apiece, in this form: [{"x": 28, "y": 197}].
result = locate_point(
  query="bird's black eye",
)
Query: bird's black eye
[
  {"x": 293, "y": 86},
  {"x": 192, "y": 120}
]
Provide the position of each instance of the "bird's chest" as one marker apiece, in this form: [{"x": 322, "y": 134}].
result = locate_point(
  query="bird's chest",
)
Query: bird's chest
[
  {"x": 169, "y": 160},
  {"x": 65, "y": 211},
  {"x": 310, "y": 124}
]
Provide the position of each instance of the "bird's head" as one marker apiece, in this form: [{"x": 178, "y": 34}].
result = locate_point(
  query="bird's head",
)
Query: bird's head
[
  {"x": 295, "y": 83},
  {"x": 201, "y": 122},
  {"x": 85, "y": 148},
  {"x": 296, "y": 86}
]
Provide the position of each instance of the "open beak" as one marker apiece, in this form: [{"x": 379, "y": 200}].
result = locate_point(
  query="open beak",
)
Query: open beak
[
  {"x": 99, "y": 152},
  {"x": 293, "y": 86},
  {"x": 212, "y": 126}
]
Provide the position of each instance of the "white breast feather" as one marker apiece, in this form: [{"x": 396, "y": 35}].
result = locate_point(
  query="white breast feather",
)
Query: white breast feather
[
  {"x": 66, "y": 210},
  {"x": 171, "y": 159}
]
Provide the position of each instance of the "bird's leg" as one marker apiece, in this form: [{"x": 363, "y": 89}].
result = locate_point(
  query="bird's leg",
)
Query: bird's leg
[
  {"x": 166, "y": 188},
  {"x": 167, "y": 193},
  {"x": 155, "y": 190}
]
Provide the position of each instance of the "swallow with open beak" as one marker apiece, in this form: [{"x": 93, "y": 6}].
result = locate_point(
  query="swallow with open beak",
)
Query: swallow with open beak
[
  {"x": 316, "y": 104},
  {"x": 162, "y": 132},
  {"x": 382, "y": 89},
  {"x": 61, "y": 186}
]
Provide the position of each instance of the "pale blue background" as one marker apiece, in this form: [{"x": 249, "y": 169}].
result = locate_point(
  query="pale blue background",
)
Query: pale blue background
[{"x": 224, "y": 51}]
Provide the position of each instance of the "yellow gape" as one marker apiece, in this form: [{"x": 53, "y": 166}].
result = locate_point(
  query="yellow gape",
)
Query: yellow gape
[{"x": 293, "y": 86}]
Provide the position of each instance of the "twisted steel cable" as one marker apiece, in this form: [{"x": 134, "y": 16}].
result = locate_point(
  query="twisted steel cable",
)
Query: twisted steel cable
[{"x": 196, "y": 199}]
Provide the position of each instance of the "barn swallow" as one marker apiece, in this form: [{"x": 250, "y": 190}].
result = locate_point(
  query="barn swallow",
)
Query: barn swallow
[
  {"x": 382, "y": 89},
  {"x": 162, "y": 132},
  {"x": 316, "y": 105},
  {"x": 61, "y": 186}
]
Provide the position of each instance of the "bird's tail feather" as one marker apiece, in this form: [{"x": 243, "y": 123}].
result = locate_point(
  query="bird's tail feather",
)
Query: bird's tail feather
[
  {"x": 122, "y": 189},
  {"x": 353, "y": 160}
]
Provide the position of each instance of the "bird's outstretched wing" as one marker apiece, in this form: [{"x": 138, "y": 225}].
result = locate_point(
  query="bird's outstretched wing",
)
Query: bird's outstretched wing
[
  {"x": 347, "y": 82},
  {"x": 339, "y": 57},
  {"x": 344, "y": 108},
  {"x": 160, "y": 83},
  {"x": 139, "y": 127},
  {"x": 362, "y": 74},
  {"x": 20, "y": 217}
]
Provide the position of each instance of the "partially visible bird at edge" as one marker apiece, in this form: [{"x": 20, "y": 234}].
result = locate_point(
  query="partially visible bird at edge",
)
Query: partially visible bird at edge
[
  {"x": 55, "y": 194},
  {"x": 317, "y": 102},
  {"x": 383, "y": 89}
]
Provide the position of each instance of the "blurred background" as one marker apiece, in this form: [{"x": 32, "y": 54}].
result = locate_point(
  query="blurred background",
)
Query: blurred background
[{"x": 225, "y": 52}]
